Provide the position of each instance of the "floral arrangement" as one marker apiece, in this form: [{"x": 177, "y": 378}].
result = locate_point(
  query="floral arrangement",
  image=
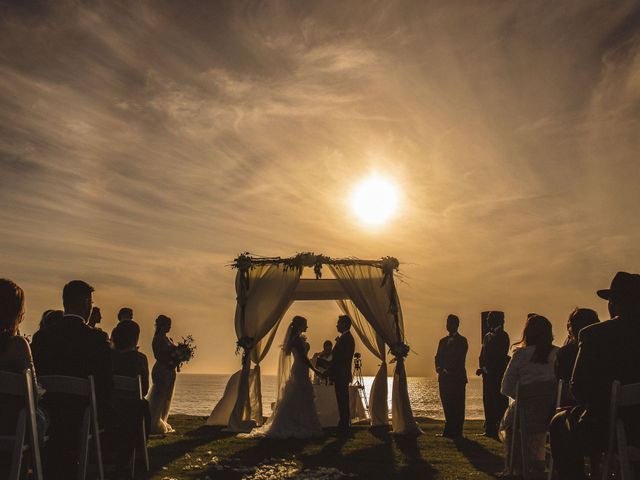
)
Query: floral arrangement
[
  {"x": 185, "y": 350},
  {"x": 400, "y": 350}
]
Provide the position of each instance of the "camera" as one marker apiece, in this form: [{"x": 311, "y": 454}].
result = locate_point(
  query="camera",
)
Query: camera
[{"x": 357, "y": 361}]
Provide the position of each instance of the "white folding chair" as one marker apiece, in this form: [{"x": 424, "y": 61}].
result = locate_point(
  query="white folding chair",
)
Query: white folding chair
[
  {"x": 21, "y": 385},
  {"x": 131, "y": 387},
  {"x": 621, "y": 396},
  {"x": 83, "y": 388},
  {"x": 560, "y": 396},
  {"x": 538, "y": 395}
]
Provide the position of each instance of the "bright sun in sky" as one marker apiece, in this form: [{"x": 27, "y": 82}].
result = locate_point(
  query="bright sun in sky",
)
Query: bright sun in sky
[{"x": 374, "y": 200}]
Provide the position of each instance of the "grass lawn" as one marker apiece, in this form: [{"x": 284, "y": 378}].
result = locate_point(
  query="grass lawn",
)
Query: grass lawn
[{"x": 197, "y": 451}]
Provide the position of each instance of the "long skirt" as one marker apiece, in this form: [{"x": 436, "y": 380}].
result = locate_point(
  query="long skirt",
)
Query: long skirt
[{"x": 160, "y": 396}]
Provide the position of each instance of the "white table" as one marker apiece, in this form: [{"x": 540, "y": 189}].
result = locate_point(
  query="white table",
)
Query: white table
[{"x": 327, "y": 405}]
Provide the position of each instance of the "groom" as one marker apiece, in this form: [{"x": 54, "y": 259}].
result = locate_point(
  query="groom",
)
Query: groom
[{"x": 340, "y": 369}]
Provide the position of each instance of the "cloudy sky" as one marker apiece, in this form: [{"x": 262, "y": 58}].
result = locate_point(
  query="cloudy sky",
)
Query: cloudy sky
[{"x": 144, "y": 144}]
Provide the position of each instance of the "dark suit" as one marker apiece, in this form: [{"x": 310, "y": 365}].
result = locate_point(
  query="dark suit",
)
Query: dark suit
[
  {"x": 452, "y": 381},
  {"x": 340, "y": 372},
  {"x": 607, "y": 351},
  {"x": 73, "y": 348},
  {"x": 493, "y": 361}
]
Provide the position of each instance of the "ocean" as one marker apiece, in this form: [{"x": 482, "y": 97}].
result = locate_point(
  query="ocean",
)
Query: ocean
[{"x": 196, "y": 394}]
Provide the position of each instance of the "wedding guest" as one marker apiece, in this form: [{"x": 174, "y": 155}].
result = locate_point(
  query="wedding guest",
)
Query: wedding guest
[
  {"x": 129, "y": 362},
  {"x": 15, "y": 353},
  {"x": 607, "y": 351},
  {"x": 452, "y": 377},
  {"x": 533, "y": 361},
  {"x": 125, "y": 313},
  {"x": 125, "y": 357},
  {"x": 163, "y": 376},
  {"x": 566, "y": 358},
  {"x": 71, "y": 347},
  {"x": 49, "y": 317},
  {"x": 493, "y": 362},
  {"x": 321, "y": 361}
]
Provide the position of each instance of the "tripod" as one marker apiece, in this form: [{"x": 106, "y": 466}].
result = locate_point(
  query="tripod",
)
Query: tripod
[{"x": 358, "y": 379}]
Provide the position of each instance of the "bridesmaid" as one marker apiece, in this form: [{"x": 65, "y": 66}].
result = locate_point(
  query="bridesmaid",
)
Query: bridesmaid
[{"x": 163, "y": 376}]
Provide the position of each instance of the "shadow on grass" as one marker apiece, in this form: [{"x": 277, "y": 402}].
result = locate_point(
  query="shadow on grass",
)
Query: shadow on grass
[{"x": 479, "y": 456}]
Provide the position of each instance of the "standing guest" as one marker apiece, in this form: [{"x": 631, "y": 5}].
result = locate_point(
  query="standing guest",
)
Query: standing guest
[
  {"x": 566, "y": 358},
  {"x": 493, "y": 362},
  {"x": 163, "y": 376},
  {"x": 129, "y": 362},
  {"x": 533, "y": 361},
  {"x": 321, "y": 361},
  {"x": 452, "y": 377},
  {"x": 607, "y": 351},
  {"x": 71, "y": 347}
]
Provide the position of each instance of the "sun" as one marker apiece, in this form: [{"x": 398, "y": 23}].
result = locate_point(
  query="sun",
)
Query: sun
[{"x": 374, "y": 200}]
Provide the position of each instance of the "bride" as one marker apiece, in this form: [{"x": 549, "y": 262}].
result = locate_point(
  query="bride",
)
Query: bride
[{"x": 294, "y": 415}]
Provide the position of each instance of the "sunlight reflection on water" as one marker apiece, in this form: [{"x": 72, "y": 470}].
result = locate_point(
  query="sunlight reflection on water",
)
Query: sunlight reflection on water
[{"x": 197, "y": 394}]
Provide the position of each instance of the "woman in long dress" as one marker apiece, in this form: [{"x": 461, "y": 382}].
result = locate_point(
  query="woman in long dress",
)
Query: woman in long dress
[
  {"x": 163, "y": 376},
  {"x": 294, "y": 415}
]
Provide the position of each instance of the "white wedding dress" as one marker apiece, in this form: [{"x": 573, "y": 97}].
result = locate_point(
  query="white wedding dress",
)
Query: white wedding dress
[{"x": 294, "y": 415}]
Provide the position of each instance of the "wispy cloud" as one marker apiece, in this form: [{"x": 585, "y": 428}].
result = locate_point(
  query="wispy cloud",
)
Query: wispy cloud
[{"x": 143, "y": 146}]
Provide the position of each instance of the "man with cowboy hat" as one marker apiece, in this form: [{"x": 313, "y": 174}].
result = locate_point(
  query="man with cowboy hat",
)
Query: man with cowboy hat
[{"x": 608, "y": 351}]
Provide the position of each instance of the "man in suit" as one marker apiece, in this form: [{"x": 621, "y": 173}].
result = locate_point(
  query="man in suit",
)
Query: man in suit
[
  {"x": 340, "y": 369},
  {"x": 73, "y": 348},
  {"x": 452, "y": 377},
  {"x": 493, "y": 362},
  {"x": 607, "y": 351}
]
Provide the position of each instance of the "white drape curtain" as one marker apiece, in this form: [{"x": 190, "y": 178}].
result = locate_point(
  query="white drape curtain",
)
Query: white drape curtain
[
  {"x": 378, "y": 406},
  {"x": 373, "y": 296},
  {"x": 264, "y": 295}
]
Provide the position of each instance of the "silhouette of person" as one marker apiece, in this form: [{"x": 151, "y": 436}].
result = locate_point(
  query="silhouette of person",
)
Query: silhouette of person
[
  {"x": 322, "y": 360},
  {"x": 340, "y": 369},
  {"x": 493, "y": 362},
  {"x": 607, "y": 351},
  {"x": 566, "y": 358},
  {"x": 71, "y": 347},
  {"x": 452, "y": 377}
]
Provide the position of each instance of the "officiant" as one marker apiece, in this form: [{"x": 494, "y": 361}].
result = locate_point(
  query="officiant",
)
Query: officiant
[{"x": 321, "y": 361}]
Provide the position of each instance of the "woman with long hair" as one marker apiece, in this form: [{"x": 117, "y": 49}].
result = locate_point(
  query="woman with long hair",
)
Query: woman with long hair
[
  {"x": 579, "y": 319},
  {"x": 533, "y": 361},
  {"x": 294, "y": 414},
  {"x": 163, "y": 376},
  {"x": 15, "y": 352}
]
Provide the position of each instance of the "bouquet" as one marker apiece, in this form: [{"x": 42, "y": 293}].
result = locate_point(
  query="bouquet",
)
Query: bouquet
[{"x": 184, "y": 351}]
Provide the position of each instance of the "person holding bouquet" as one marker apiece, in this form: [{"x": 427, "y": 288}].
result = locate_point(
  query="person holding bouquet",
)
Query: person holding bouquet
[{"x": 163, "y": 376}]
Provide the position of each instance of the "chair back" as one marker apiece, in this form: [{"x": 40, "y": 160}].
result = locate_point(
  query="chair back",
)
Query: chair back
[
  {"x": 79, "y": 387},
  {"x": 536, "y": 404},
  {"x": 128, "y": 386},
  {"x": 21, "y": 385}
]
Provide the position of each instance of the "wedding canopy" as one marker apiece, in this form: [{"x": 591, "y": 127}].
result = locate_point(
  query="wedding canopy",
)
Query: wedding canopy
[{"x": 364, "y": 289}]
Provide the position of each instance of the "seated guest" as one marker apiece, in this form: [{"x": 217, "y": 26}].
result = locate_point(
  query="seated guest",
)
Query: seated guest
[
  {"x": 321, "y": 361},
  {"x": 125, "y": 357},
  {"x": 128, "y": 362},
  {"x": 125, "y": 314},
  {"x": 15, "y": 357},
  {"x": 566, "y": 358},
  {"x": 607, "y": 351},
  {"x": 49, "y": 317},
  {"x": 533, "y": 360},
  {"x": 73, "y": 348}
]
